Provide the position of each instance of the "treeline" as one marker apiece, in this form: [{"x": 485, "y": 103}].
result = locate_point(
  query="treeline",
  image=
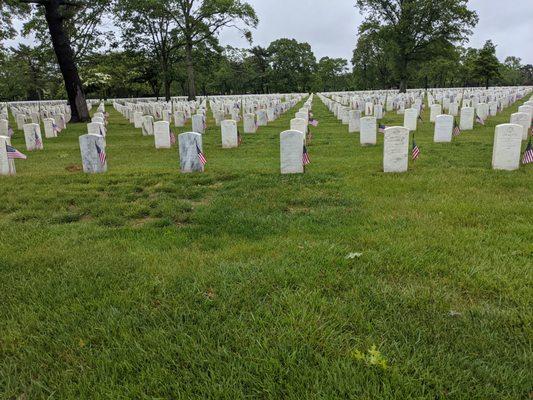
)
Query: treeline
[{"x": 171, "y": 47}]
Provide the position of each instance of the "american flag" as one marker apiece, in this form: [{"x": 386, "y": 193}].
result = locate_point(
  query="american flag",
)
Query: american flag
[
  {"x": 13, "y": 153},
  {"x": 101, "y": 154},
  {"x": 415, "y": 152},
  {"x": 201, "y": 156},
  {"x": 38, "y": 142},
  {"x": 420, "y": 115},
  {"x": 55, "y": 128},
  {"x": 456, "y": 129},
  {"x": 381, "y": 128},
  {"x": 313, "y": 122},
  {"x": 10, "y": 131},
  {"x": 172, "y": 138},
  {"x": 239, "y": 137},
  {"x": 480, "y": 120},
  {"x": 305, "y": 157},
  {"x": 528, "y": 154}
]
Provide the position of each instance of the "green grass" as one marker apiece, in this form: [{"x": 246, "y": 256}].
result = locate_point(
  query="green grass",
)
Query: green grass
[{"x": 147, "y": 284}]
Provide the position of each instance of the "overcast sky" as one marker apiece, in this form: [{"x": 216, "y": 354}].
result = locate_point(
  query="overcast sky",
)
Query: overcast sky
[{"x": 330, "y": 26}]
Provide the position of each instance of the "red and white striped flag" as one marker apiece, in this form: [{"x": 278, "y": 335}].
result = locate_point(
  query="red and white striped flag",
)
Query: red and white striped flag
[
  {"x": 172, "y": 138},
  {"x": 101, "y": 154},
  {"x": 415, "y": 152},
  {"x": 201, "y": 156},
  {"x": 13, "y": 153},
  {"x": 38, "y": 142},
  {"x": 480, "y": 120},
  {"x": 528, "y": 154},
  {"x": 456, "y": 129},
  {"x": 305, "y": 157}
]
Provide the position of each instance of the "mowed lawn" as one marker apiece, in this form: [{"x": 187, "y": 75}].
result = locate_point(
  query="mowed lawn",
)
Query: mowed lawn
[{"x": 241, "y": 283}]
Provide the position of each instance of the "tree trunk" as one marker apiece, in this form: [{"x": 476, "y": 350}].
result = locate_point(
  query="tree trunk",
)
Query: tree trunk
[
  {"x": 190, "y": 72},
  {"x": 65, "y": 58},
  {"x": 167, "y": 84},
  {"x": 487, "y": 82}
]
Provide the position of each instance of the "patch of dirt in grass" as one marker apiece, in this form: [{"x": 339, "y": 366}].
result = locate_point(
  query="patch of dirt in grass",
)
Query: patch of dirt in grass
[
  {"x": 74, "y": 168},
  {"x": 143, "y": 221},
  {"x": 298, "y": 210}
]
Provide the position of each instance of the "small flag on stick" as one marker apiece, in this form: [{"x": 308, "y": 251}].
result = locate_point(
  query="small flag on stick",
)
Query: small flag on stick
[
  {"x": 172, "y": 138},
  {"x": 381, "y": 128},
  {"x": 101, "y": 154},
  {"x": 415, "y": 152},
  {"x": 305, "y": 157},
  {"x": 456, "y": 129},
  {"x": 201, "y": 156},
  {"x": 528, "y": 154},
  {"x": 13, "y": 153},
  {"x": 480, "y": 120},
  {"x": 38, "y": 142}
]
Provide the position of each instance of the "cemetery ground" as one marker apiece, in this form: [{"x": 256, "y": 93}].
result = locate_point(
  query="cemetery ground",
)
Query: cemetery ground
[{"x": 344, "y": 282}]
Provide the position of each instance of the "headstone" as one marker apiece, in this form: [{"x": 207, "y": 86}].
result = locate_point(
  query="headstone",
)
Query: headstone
[
  {"x": 262, "y": 119},
  {"x": 32, "y": 135},
  {"x": 7, "y": 166},
  {"x": 249, "y": 123},
  {"x": 435, "y": 109},
  {"x": 179, "y": 119},
  {"x": 49, "y": 131},
  {"x": 354, "y": 124},
  {"x": 92, "y": 149},
  {"x": 148, "y": 125},
  {"x": 524, "y": 120},
  {"x": 138, "y": 119},
  {"x": 443, "y": 128},
  {"x": 230, "y": 137},
  {"x": 189, "y": 161},
  {"x": 291, "y": 152},
  {"x": 96, "y": 128},
  {"x": 466, "y": 122},
  {"x": 396, "y": 149},
  {"x": 507, "y": 144},
  {"x": 298, "y": 124},
  {"x": 162, "y": 135},
  {"x": 198, "y": 123},
  {"x": 368, "y": 135},
  {"x": 410, "y": 119},
  {"x": 378, "y": 111}
]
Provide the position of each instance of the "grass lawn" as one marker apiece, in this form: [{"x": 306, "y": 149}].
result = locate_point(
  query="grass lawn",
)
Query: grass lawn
[{"x": 147, "y": 284}]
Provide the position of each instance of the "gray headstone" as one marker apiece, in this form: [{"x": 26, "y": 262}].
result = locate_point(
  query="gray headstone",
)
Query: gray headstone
[
  {"x": 189, "y": 161},
  {"x": 89, "y": 147}
]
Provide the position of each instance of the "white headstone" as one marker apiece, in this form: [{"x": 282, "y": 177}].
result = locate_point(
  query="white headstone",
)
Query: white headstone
[
  {"x": 291, "y": 152},
  {"x": 298, "y": 124},
  {"x": 7, "y": 166},
  {"x": 148, "y": 125},
  {"x": 435, "y": 109},
  {"x": 443, "y": 128},
  {"x": 396, "y": 149},
  {"x": 524, "y": 120},
  {"x": 368, "y": 131},
  {"x": 49, "y": 131},
  {"x": 32, "y": 135},
  {"x": 198, "y": 123},
  {"x": 410, "y": 119},
  {"x": 249, "y": 123},
  {"x": 179, "y": 119},
  {"x": 507, "y": 144},
  {"x": 162, "y": 135},
  {"x": 466, "y": 122},
  {"x": 230, "y": 137},
  {"x": 354, "y": 124}
]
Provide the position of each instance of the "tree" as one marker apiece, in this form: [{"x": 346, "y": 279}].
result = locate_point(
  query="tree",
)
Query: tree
[
  {"x": 330, "y": 73},
  {"x": 148, "y": 25},
  {"x": 293, "y": 65},
  {"x": 199, "y": 20},
  {"x": 56, "y": 14},
  {"x": 487, "y": 66},
  {"x": 415, "y": 30}
]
